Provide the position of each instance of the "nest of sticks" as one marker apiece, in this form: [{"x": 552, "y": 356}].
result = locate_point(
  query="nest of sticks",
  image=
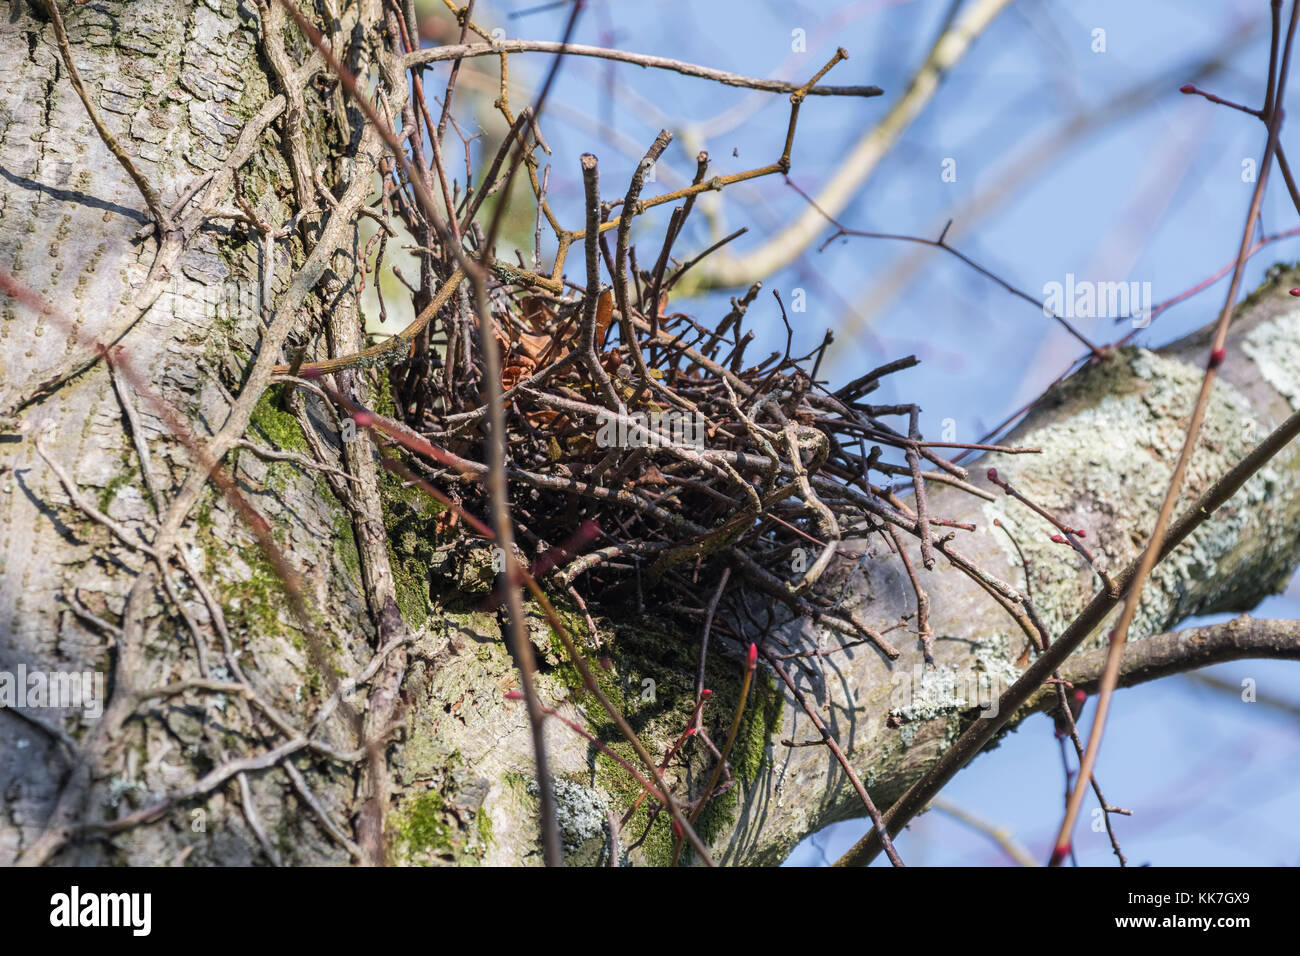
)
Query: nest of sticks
[
  {"x": 643, "y": 449},
  {"x": 647, "y": 450}
]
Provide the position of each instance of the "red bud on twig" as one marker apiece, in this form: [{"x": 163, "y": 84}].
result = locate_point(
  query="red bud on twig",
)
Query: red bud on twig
[{"x": 1075, "y": 699}]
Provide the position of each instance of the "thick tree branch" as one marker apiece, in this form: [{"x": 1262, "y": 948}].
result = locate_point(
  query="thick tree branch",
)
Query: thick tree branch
[{"x": 1176, "y": 652}]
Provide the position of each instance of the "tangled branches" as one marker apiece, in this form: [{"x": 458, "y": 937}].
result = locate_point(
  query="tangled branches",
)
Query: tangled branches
[
  {"x": 655, "y": 429},
  {"x": 647, "y": 424},
  {"x": 643, "y": 447}
]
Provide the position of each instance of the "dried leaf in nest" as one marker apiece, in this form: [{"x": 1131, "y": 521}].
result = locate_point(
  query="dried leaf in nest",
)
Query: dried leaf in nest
[
  {"x": 651, "y": 476},
  {"x": 547, "y": 418},
  {"x": 516, "y": 369},
  {"x": 536, "y": 313},
  {"x": 604, "y": 316},
  {"x": 549, "y": 338},
  {"x": 520, "y": 359},
  {"x": 521, "y": 356}
]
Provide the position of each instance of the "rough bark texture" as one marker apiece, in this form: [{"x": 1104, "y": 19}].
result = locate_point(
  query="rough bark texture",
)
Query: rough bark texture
[{"x": 178, "y": 82}]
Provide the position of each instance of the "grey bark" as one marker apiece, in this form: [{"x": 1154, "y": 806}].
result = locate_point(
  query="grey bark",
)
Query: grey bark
[{"x": 179, "y": 82}]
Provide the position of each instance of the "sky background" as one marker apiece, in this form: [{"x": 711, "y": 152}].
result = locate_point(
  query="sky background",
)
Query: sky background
[{"x": 1132, "y": 182}]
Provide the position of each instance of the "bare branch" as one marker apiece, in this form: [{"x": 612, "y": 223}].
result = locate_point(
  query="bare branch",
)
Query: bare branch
[{"x": 437, "y": 54}]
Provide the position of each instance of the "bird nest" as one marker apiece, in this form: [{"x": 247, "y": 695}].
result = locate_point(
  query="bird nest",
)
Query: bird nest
[{"x": 653, "y": 461}]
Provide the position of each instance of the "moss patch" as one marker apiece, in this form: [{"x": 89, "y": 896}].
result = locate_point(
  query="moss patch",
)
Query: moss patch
[
  {"x": 276, "y": 424},
  {"x": 420, "y": 833},
  {"x": 441, "y": 825}
]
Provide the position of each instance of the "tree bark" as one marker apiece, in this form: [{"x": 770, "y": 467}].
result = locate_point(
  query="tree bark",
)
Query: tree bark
[{"x": 226, "y": 738}]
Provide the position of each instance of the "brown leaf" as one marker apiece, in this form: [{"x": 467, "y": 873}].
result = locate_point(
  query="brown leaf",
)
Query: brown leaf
[
  {"x": 604, "y": 316},
  {"x": 543, "y": 419},
  {"x": 652, "y": 476},
  {"x": 536, "y": 313},
  {"x": 519, "y": 358},
  {"x": 534, "y": 346}
]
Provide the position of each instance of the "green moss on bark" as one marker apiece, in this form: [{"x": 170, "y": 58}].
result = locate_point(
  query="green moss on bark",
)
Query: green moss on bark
[
  {"x": 440, "y": 825},
  {"x": 276, "y": 424},
  {"x": 420, "y": 832}
]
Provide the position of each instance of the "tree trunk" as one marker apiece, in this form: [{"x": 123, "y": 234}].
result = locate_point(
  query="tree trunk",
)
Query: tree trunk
[{"x": 282, "y": 773}]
